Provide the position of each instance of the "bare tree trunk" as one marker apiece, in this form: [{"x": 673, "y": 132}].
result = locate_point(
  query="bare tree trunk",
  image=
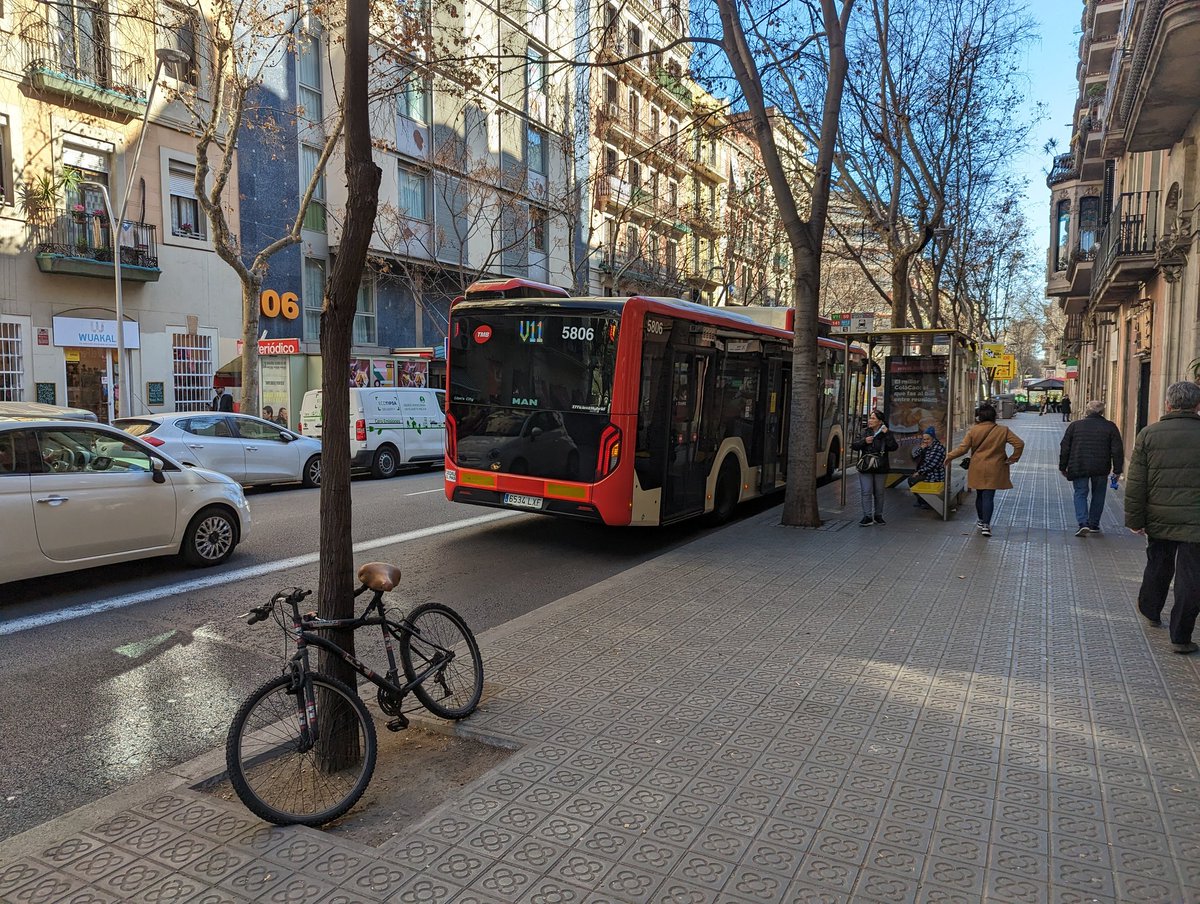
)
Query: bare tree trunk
[
  {"x": 337, "y": 320},
  {"x": 250, "y": 292}
]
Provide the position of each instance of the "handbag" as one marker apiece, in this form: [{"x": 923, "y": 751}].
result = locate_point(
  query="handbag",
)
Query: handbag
[
  {"x": 965, "y": 462},
  {"x": 869, "y": 463}
]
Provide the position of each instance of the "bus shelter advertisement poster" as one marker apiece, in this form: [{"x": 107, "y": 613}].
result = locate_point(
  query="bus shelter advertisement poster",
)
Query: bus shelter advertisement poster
[{"x": 916, "y": 394}]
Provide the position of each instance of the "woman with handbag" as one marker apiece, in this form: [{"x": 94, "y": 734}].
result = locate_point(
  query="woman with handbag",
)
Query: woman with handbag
[
  {"x": 874, "y": 445},
  {"x": 988, "y": 444}
]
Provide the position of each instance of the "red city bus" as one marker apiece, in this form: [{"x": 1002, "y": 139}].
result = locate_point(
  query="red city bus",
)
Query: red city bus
[{"x": 629, "y": 411}]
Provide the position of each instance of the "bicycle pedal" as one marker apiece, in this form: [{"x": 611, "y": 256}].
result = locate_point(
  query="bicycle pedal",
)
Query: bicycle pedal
[{"x": 398, "y": 724}]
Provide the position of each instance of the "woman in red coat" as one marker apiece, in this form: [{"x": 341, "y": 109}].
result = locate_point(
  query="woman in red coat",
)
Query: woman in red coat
[{"x": 988, "y": 444}]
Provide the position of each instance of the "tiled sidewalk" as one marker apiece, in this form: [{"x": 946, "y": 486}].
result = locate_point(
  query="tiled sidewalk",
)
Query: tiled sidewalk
[{"x": 884, "y": 714}]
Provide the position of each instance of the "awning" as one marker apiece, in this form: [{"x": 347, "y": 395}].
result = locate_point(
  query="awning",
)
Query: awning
[{"x": 1045, "y": 385}]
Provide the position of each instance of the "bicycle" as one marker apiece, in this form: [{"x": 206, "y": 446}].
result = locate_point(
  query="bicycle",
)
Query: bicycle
[{"x": 302, "y": 747}]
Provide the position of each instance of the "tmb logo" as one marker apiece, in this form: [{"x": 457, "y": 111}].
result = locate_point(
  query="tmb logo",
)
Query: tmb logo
[{"x": 482, "y": 333}]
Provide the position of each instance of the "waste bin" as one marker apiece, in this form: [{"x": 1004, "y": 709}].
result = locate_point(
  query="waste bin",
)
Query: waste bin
[{"x": 1006, "y": 407}]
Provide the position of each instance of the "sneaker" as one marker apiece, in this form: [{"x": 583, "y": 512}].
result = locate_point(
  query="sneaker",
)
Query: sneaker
[
  {"x": 879, "y": 519},
  {"x": 865, "y": 521},
  {"x": 1094, "y": 530},
  {"x": 986, "y": 531},
  {"x": 1184, "y": 648},
  {"x": 979, "y": 525},
  {"x": 1083, "y": 531}
]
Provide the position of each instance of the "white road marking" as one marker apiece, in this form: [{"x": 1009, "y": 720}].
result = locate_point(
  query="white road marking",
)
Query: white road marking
[
  {"x": 228, "y": 577},
  {"x": 423, "y": 492}
]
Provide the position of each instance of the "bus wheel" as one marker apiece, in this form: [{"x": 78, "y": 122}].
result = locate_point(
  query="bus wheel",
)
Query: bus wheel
[
  {"x": 725, "y": 499},
  {"x": 834, "y": 461}
]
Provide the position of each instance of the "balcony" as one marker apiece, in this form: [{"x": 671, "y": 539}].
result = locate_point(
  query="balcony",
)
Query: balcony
[
  {"x": 674, "y": 87},
  {"x": 1105, "y": 16},
  {"x": 81, "y": 245},
  {"x": 1062, "y": 170},
  {"x": 95, "y": 74},
  {"x": 1163, "y": 91},
  {"x": 1125, "y": 253},
  {"x": 656, "y": 277}
]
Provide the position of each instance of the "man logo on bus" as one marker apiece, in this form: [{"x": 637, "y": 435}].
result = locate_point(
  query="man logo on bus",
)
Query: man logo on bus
[{"x": 482, "y": 334}]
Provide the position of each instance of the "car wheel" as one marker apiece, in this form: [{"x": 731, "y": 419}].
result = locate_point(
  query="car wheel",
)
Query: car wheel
[
  {"x": 210, "y": 538},
  {"x": 384, "y": 465},
  {"x": 312, "y": 472}
]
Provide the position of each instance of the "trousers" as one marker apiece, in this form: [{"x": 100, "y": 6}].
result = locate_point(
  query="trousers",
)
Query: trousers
[
  {"x": 1167, "y": 559},
  {"x": 985, "y": 504},
  {"x": 871, "y": 487},
  {"x": 1089, "y": 514}
]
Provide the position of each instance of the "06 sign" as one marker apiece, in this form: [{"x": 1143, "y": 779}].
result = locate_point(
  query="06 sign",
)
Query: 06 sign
[{"x": 273, "y": 304}]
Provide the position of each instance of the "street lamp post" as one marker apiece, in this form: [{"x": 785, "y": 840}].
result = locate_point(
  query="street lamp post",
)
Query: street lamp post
[{"x": 163, "y": 55}]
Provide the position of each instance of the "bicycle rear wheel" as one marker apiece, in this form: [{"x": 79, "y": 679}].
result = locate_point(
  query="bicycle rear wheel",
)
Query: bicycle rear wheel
[
  {"x": 453, "y": 690},
  {"x": 287, "y": 780}
]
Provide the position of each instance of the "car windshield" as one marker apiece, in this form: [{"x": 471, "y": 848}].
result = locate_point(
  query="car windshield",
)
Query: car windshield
[{"x": 137, "y": 428}]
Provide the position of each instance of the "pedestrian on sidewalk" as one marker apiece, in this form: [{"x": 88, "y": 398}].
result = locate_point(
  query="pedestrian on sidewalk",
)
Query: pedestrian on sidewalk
[
  {"x": 930, "y": 460},
  {"x": 988, "y": 444},
  {"x": 1065, "y": 407},
  {"x": 1090, "y": 450},
  {"x": 875, "y": 444},
  {"x": 1162, "y": 501}
]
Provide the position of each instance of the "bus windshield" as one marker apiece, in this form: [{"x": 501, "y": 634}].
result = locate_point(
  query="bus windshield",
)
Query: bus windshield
[{"x": 548, "y": 360}]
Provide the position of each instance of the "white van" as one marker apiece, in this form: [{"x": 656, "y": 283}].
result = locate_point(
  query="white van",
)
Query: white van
[{"x": 389, "y": 426}]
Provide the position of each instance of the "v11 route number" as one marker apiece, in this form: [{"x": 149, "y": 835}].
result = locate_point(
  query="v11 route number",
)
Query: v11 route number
[{"x": 586, "y": 333}]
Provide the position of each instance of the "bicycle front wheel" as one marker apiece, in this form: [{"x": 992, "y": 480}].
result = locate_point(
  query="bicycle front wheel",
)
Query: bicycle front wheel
[
  {"x": 288, "y": 777},
  {"x": 452, "y": 690}
]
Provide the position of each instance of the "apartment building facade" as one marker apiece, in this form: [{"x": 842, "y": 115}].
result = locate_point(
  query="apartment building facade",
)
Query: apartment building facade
[
  {"x": 75, "y": 84},
  {"x": 1124, "y": 198}
]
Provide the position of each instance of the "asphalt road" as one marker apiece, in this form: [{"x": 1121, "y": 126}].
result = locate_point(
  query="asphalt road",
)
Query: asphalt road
[{"x": 100, "y": 701}]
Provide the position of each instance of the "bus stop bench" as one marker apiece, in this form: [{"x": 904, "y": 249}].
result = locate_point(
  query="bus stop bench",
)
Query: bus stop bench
[{"x": 932, "y": 491}]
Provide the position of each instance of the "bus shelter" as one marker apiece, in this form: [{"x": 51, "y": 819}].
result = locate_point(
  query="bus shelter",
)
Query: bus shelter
[{"x": 931, "y": 378}]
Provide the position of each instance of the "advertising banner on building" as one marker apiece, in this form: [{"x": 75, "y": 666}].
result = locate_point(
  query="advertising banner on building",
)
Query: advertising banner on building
[
  {"x": 275, "y": 395},
  {"x": 916, "y": 394}
]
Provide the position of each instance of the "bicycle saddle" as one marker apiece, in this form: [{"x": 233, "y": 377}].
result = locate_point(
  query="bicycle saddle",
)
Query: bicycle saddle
[{"x": 379, "y": 576}]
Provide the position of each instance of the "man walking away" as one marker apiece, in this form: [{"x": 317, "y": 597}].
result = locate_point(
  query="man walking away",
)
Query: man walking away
[
  {"x": 1065, "y": 407},
  {"x": 1090, "y": 450},
  {"x": 1162, "y": 501}
]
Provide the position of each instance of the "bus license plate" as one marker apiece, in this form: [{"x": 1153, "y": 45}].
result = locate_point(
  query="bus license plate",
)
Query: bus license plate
[{"x": 529, "y": 502}]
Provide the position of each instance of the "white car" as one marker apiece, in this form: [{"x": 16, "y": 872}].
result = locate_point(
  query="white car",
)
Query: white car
[
  {"x": 76, "y": 495},
  {"x": 248, "y": 449}
]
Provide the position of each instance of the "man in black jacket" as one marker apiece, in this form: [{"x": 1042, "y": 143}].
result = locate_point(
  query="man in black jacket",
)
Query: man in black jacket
[
  {"x": 1162, "y": 501},
  {"x": 1090, "y": 450}
]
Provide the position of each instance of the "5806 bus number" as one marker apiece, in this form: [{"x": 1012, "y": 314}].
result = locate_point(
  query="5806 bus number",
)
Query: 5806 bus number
[{"x": 585, "y": 333}]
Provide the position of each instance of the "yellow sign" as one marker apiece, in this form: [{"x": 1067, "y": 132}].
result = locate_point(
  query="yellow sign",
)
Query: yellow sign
[
  {"x": 1005, "y": 368},
  {"x": 990, "y": 353},
  {"x": 72, "y": 355}
]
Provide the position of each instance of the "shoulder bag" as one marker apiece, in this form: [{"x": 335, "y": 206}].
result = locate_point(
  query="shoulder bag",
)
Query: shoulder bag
[{"x": 870, "y": 462}]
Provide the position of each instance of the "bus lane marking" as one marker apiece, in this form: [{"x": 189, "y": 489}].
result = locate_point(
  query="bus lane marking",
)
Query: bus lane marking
[{"x": 26, "y": 623}]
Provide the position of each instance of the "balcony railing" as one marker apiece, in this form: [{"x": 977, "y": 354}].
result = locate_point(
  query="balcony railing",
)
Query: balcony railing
[
  {"x": 1133, "y": 230},
  {"x": 79, "y": 66},
  {"x": 1063, "y": 169},
  {"x": 82, "y": 244}
]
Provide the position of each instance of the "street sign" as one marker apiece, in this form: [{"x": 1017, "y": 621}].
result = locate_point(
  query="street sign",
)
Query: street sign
[
  {"x": 990, "y": 353},
  {"x": 853, "y": 323},
  {"x": 1005, "y": 368}
]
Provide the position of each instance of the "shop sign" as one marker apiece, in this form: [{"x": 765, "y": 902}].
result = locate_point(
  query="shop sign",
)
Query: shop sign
[
  {"x": 274, "y": 304},
  {"x": 82, "y": 332},
  {"x": 43, "y": 336},
  {"x": 274, "y": 346},
  {"x": 1072, "y": 368}
]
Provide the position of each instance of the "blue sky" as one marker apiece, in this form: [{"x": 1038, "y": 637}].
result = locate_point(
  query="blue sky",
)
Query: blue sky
[{"x": 1050, "y": 66}]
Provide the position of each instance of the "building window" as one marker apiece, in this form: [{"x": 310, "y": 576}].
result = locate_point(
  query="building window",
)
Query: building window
[
  {"x": 12, "y": 363},
  {"x": 1062, "y": 234},
  {"x": 535, "y": 71},
  {"x": 539, "y": 235},
  {"x": 413, "y": 100},
  {"x": 536, "y": 149},
  {"x": 82, "y": 41},
  {"x": 610, "y": 162},
  {"x": 181, "y": 37},
  {"x": 309, "y": 78},
  {"x": 314, "y": 216},
  {"x": 635, "y": 174},
  {"x": 364, "y": 312},
  {"x": 412, "y": 194},
  {"x": 187, "y": 220},
  {"x": 1089, "y": 224},
  {"x": 635, "y": 41},
  {"x": 611, "y": 91},
  {"x": 314, "y": 296},
  {"x": 5, "y": 182},
  {"x": 192, "y": 358}
]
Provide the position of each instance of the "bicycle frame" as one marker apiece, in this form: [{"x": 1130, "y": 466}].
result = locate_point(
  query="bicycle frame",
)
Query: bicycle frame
[{"x": 304, "y": 628}]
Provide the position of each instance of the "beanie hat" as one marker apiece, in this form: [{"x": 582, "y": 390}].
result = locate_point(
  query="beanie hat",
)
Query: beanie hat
[{"x": 932, "y": 431}]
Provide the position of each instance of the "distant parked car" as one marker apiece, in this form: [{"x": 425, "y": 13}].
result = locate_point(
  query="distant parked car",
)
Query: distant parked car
[
  {"x": 37, "y": 409},
  {"x": 248, "y": 449},
  {"x": 75, "y": 495}
]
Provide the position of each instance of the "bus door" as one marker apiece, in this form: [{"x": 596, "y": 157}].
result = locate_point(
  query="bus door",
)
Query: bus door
[
  {"x": 687, "y": 464},
  {"x": 771, "y": 405}
]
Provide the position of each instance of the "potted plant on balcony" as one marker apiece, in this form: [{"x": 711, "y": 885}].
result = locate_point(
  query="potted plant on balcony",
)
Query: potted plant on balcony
[
  {"x": 79, "y": 213},
  {"x": 38, "y": 196}
]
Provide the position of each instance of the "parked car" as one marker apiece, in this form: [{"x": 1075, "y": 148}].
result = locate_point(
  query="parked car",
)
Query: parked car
[
  {"x": 37, "y": 409},
  {"x": 248, "y": 449},
  {"x": 389, "y": 426},
  {"x": 76, "y": 495}
]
